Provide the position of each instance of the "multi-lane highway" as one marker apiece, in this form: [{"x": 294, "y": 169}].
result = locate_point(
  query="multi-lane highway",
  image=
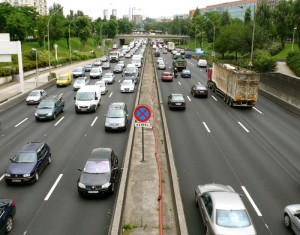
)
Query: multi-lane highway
[
  {"x": 53, "y": 205},
  {"x": 256, "y": 151}
]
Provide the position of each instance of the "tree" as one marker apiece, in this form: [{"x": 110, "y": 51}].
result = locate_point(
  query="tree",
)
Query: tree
[
  {"x": 110, "y": 28},
  {"x": 84, "y": 29},
  {"x": 225, "y": 19},
  {"x": 5, "y": 10},
  {"x": 124, "y": 26},
  {"x": 56, "y": 24},
  {"x": 263, "y": 17},
  {"x": 247, "y": 18}
]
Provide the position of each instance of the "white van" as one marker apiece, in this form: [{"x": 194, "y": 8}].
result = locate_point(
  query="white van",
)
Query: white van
[
  {"x": 87, "y": 98},
  {"x": 137, "y": 62}
]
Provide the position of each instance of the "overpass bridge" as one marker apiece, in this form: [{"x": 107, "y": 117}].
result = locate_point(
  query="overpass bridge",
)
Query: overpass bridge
[{"x": 122, "y": 38}]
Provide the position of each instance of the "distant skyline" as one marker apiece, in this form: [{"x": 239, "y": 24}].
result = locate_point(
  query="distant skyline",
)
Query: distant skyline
[{"x": 152, "y": 9}]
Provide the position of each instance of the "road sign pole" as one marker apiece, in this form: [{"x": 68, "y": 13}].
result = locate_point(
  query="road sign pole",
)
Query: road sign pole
[{"x": 143, "y": 158}]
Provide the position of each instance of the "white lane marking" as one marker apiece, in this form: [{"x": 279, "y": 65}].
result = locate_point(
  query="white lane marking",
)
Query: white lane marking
[
  {"x": 21, "y": 122},
  {"x": 59, "y": 121},
  {"x": 257, "y": 110},
  {"x": 53, "y": 187},
  {"x": 208, "y": 130},
  {"x": 243, "y": 127},
  {"x": 110, "y": 94},
  {"x": 214, "y": 98},
  {"x": 1, "y": 178},
  {"x": 179, "y": 83},
  {"x": 188, "y": 98},
  {"x": 94, "y": 121},
  {"x": 251, "y": 201}
]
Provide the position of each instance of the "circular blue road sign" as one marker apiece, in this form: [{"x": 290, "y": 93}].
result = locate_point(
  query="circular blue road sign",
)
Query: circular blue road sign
[{"x": 142, "y": 113}]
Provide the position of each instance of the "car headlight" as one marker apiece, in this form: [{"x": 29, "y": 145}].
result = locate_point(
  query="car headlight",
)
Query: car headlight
[
  {"x": 6, "y": 175},
  {"x": 106, "y": 185},
  {"x": 81, "y": 185},
  {"x": 49, "y": 114},
  {"x": 26, "y": 175},
  {"x": 36, "y": 114}
]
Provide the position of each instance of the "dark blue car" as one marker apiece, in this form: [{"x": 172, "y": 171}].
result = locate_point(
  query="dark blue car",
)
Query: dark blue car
[
  {"x": 28, "y": 163},
  {"x": 186, "y": 73},
  {"x": 7, "y": 213}
]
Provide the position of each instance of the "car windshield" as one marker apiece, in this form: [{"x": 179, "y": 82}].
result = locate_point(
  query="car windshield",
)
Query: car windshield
[
  {"x": 232, "y": 218},
  {"x": 115, "y": 113},
  {"x": 100, "y": 84},
  {"x": 84, "y": 96},
  {"x": 78, "y": 70},
  {"x": 200, "y": 87},
  {"x": 25, "y": 157},
  {"x": 46, "y": 105},
  {"x": 79, "y": 82},
  {"x": 95, "y": 70},
  {"x": 107, "y": 77},
  {"x": 177, "y": 98},
  {"x": 127, "y": 83},
  {"x": 62, "y": 78},
  {"x": 97, "y": 167},
  {"x": 34, "y": 93},
  {"x": 166, "y": 74}
]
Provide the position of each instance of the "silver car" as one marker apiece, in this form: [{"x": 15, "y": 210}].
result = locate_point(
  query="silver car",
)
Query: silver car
[
  {"x": 116, "y": 117},
  {"x": 292, "y": 218},
  {"x": 223, "y": 211}
]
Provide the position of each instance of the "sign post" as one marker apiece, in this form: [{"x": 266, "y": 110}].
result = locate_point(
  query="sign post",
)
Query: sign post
[{"x": 142, "y": 114}]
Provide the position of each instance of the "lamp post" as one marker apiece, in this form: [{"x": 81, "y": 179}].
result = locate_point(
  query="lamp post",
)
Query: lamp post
[
  {"x": 49, "y": 40},
  {"x": 36, "y": 65},
  {"x": 293, "y": 38},
  {"x": 252, "y": 43},
  {"x": 213, "y": 52}
]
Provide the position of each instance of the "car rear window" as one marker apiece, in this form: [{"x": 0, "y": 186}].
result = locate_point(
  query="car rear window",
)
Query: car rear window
[{"x": 232, "y": 218}]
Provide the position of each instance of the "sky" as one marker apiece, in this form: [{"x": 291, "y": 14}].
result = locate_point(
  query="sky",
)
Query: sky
[{"x": 148, "y": 8}]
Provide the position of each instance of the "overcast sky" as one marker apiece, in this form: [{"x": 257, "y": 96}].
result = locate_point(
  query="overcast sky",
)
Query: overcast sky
[{"x": 149, "y": 8}]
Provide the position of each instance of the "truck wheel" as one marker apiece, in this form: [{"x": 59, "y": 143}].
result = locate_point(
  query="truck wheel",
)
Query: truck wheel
[
  {"x": 230, "y": 102},
  {"x": 225, "y": 98}
]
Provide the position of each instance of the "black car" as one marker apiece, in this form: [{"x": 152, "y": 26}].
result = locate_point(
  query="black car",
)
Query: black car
[
  {"x": 50, "y": 107},
  {"x": 176, "y": 101},
  {"x": 28, "y": 163},
  {"x": 199, "y": 90},
  {"x": 100, "y": 173},
  {"x": 7, "y": 213}
]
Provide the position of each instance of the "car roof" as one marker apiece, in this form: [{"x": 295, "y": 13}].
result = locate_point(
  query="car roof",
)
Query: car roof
[
  {"x": 227, "y": 201},
  {"x": 117, "y": 105},
  {"x": 64, "y": 74},
  {"x": 52, "y": 97},
  {"x": 100, "y": 153},
  {"x": 32, "y": 147}
]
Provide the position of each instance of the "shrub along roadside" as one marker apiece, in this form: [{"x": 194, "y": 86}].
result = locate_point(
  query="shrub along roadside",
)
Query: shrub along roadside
[{"x": 293, "y": 61}]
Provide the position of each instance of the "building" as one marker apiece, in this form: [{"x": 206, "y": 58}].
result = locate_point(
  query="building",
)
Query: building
[
  {"x": 40, "y": 5},
  {"x": 105, "y": 13},
  {"x": 137, "y": 18},
  {"x": 114, "y": 12},
  {"x": 270, "y": 3},
  {"x": 182, "y": 16}
]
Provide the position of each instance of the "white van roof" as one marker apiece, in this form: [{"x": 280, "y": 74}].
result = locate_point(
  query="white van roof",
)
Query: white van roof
[{"x": 89, "y": 88}]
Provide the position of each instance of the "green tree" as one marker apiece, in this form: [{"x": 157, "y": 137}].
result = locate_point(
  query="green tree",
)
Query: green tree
[
  {"x": 124, "y": 26},
  {"x": 57, "y": 24},
  {"x": 16, "y": 26},
  {"x": 247, "y": 17},
  {"x": 110, "y": 28},
  {"x": 84, "y": 29},
  {"x": 225, "y": 19},
  {"x": 5, "y": 10},
  {"x": 263, "y": 17}
]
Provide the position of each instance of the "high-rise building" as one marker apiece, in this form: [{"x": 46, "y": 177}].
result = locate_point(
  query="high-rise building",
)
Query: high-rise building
[
  {"x": 105, "y": 13},
  {"x": 40, "y": 5},
  {"x": 114, "y": 12}
]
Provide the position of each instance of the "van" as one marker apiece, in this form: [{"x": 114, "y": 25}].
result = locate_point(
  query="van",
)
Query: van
[
  {"x": 188, "y": 55},
  {"x": 87, "y": 98},
  {"x": 137, "y": 62}
]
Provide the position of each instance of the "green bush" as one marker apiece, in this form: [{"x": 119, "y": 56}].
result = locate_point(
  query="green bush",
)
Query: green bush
[
  {"x": 293, "y": 61},
  {"x": 263, "y": 62},
  {"x": 275, "y": 48}
]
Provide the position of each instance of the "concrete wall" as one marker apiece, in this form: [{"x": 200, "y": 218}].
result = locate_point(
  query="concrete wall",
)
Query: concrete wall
[{"x": 282, "y": 89}]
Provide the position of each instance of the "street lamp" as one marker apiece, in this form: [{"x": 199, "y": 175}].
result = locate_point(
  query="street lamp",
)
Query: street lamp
[
  {"x": 49, "y": 39},
  {"x": 252, "y": 43},
  {"x": 36, "y": 65},
  {"x": 293, "y": 38},
  {"x": 213, "y": 52}
]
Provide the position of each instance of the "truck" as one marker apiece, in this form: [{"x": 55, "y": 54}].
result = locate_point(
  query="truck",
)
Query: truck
[
  {"x": 179, "y": 62},
  {"x": 171, "y": 46},
  {"x": 114, "y": 56},
  {"x": 237, "y": 86}
]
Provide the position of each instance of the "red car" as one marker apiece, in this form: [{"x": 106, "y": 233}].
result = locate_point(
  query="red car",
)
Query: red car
[{"x": 167, "y": 76}]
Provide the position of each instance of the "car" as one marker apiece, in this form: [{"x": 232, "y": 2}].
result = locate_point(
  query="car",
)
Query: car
[
  {"x": 28, "y": 163},
  {"x": 118, "y": 68},
  {"x": 165, "y": 51},
  {"x": 161, "y": 65},
  {"x": 116, "y": 117},
  {"x": 202, "y": 63},
  {"x": 108, "y": 78},
  {"x": 35, "y": 96},
  {"x": 103, "y": 87},
  {"x": 97, "y": 63},
  {"x": 127, "y": 86},
  {"x": 157, "y": 53},
  {"x": 78, "y": 72},
  {"x": 103, "y": 58},
  {"x": 64, "y": 79},
  {"x": 7, "y": 214},
  {"x": 106, "y": 65},
  {"x": 291, "y": 218},
  {"x": 222, "y": 210},
  {"x": 100, "y": 173},
  {"x": 177, "y": 101},
  {"x": 80, "y": 82},
  {"x": 159, "y": 59},
  {"x": 121, "y": 62},
  {"x": 185, "y": 73},
  {"x": 199, "y": 90},
  {"x": 96, "y": 72},
  {"x": 50, "y": 107},
  {"x": 128, "y": 55},
  {"x": 88, "y": 67},
  {"x": 167, "y": 76}
]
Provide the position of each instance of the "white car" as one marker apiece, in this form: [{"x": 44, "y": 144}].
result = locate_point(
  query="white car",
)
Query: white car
[
  {"x": 103, "y": 87},
  {"x": 202, "y": 63},
  {"x": 35, "y": 96},
  {"x": 80, "y": 82},
  {"x": 96, "y": 72},
  {"x": 127, "y": 86},
  {"x": 121, "y": 62},
  {"x": 108, "y": 78}
]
